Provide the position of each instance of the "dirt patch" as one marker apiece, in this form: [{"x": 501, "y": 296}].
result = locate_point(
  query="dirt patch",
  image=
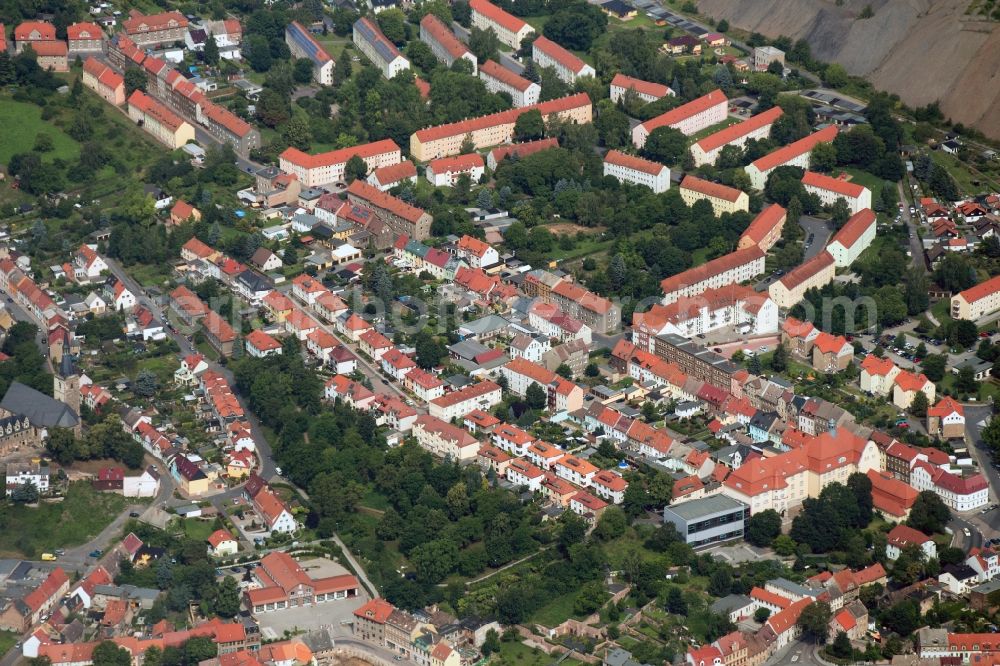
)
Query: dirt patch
[
  {"x": 891, "y": 47},
  {"x": 348, "y": 661},
  {"x": 569, "y": 228}
]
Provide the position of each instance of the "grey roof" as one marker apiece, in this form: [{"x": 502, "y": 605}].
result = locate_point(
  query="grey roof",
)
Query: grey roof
[
  {"x": 988, "y": 587},
  {"x": 699, "y": 508},
  {"x": 794, "y": 588},
  {"x": 318, "y": 641},
  {"x": 40, "y": 408},
  {"x": 486, "y": 324},
  {"x": 254, "y": 281},
  {"x": 960, "y": 571},
  {"x": 467, "y": 349},
  {"x": 726, "y": 605}
]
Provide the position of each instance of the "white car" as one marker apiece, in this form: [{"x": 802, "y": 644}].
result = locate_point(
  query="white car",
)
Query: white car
[{"x": 966, "y": 532}]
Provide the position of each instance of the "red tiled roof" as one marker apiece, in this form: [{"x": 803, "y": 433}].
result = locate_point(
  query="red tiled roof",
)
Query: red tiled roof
[
  {"x": 153, "y": 22},
  {"x": 765, "y": 221},
  {"x": 49, "y": 587},
  {"x": 380, "y": 199},
  {"x": 456, "y": 164},
  {"x": 717, "y": 266},
  {"x": 50, "y": 49},
  {"x": 869, "y": 574},
  {"x": 219, "y": 536},
  {"x": 829, "y": 344},
  {"x": 376, "y": 610},
  {"x": 634, "y": 163},
  {"x": 508, "y": 117},
  {"x": 151, "y": 107},
  {"x": 981, "y": 290},
  {"x": 394, "y": 173},
  {"x": 235, "y": 125},
  {"x": 559, "y": 54},
  {"x": 908, "y": 381},
  {"x": 903, "y": 535},
  {"x": 642, "y": 87},
  {"x": 806, "y": 270},
  {"x": 782, "y": 155},
  {"x": 497, "y": 15},
  {"x": 504, "y": 75},
  {"x": 838, "y": 185},
  {"x": 218, "y": 327},
  {"x": 685, "y": 111},
  {"x": 186, "y": 300},
  {"x": 874, "y": 365},
  {"x": 340, "y": 156},
  {"x": 946, "y": 406},
  {"x": 468, "y": 393},
  {"x": 855, "y": 228},
  {"x": 84, "y": 31},
  {"x": 523, "y": 149},
  {"x": 443, "y": 35},
  {"x": 45, "y": 30},
  {"x": 710, "y": 189},
  {"x": 262, "y": 341},
  {"x": 734, "y": 132}
]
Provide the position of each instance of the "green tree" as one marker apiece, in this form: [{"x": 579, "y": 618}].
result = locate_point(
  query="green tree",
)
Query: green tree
[
  {"x": 763, "y": 528},
  {"x": 25, "y": 493},
  {"x": 841, "y": 647},
  {"x": 814, "y": 621},
  {"x": 227, "y": 598},
  {"x": 675, "y": 602},
  {"x": 108, "y": 653},
  {"x": 135, "y": 79},
  {"x": 835, "y": 76},
  {"x": 529, "y": 126},
  {"x": 761, "y": 614},
  {"x": 392, "y": 22},
  {"x": 720, "y": 583},
  {"x": 576, "y": 25},
  {"x": 779, "y": 361},
  {"x": 535, "y": 396},
  {"x": 492, "y": 643},
  {"x": 928, "y": 514},
  {"x": 146, "y": 384},
  {"x": 564, "y": 371},
  {"x": 484, "y": 44},
  {"x": 355, "y": 169},
  {"x": 823, "y": 158},
  {"x": 257, "y": 52},
  {"x": 210, "y": 54},
  {"x": 966, "y": 380},
  {"x": 934, "y": 366},
  {"x": 963, "y": 333},
  {"x": 666, "y": 145},
  {"x": 302, "y": 71}
]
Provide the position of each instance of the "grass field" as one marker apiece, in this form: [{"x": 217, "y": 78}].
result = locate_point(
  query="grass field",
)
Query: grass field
[
  {"x": 7, "y": 640},
  {"x": 197, "y": 529},
  {"x": 698, "y": 136},
  {"x": 21, "y": 123},
  {"x": 557, "y": 611},
  {"x": 863, "y": 178},
  {"x": 79, "y": 517},
  {"x": 518, "y": 654}
]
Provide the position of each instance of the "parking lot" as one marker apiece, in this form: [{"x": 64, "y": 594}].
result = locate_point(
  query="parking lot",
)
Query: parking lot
[{"x": 333, "y": 615}]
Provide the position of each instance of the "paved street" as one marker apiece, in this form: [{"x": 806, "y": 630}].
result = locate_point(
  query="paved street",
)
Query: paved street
[
  {"x": 912, "y": 222},
  {"x": 506, "y": 59},
  {"x": 817, "y": 235}
]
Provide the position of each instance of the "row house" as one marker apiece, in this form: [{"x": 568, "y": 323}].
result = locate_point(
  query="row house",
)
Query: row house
[
  {"x": 562, "y": 394},
  {"x": 445, "y": 440},
  {"x": 765, "y": 229},
  {"x": 494, "y": 129},
  {"x": 446, "y": 171},
  {"x": 382, "y": 53},
  {"x": 555, "y": 324},
  {"x": 609, "y": 486},
  {"x": 627, "y": 168},
  {"x": 724, "y": 199},
  {"x": 387, "y": 177},
  {"x": 355, "y": 394},
  {"x": 302, "y": 44},
  {"x": 520, "y": 472},
  {"x": 706, "y": 150},
  {"x": 521, "y": 150},
  {"x": 959, "y": 493},
  {"x": 813, "y": 273},
  {"x": 401, "y": 217},
  {"x": 689, "y": 118},
  {"x": 906, "y": 387},
  {"x": 796, "y": 153},
  {"x": 622, "y": 85},
  {"x": 476, "y": 253},
  {"x": 166, "y": 28},
  {"x": 543, "y": 454},
  {"x": 853, "y": 238},
  {"x": 107, "y": 83},
  {"x": 259, "y": 344},
  {"x": 393, "y": 413},
  {"x": 568, "y": 67},
  {"x": 22, "y": 614},
  {"x": 493, "y": 459},
  {"x": 977, "y": 301},
  {"x": 587, "y": 506},
  {"x": 498, "y": 78},
  {"x": 396, "y": 364},
  {"x": 878, "y": 375},
  {"x": 512, "y": 439},
  {"x": 159, "y": 121},
  {"x": 736, "y": 267},
  {"x": 752, "y": 313},
  {"x": 444, "y": 44},
  {"x": 85, "y": 37},
  {"x": 831, "y": 353},
  {"x": 482, "y": 395},
  {"x": 509, "y": 29},
  {"x": 830, "y": 190},
  {"x": 219, "y": 333},
  {"x": 352, "y": 326},
  {"x": 423, "y": 384},
  {"x": 300, "y": 324},
  {"x": 330, "y": 167}
]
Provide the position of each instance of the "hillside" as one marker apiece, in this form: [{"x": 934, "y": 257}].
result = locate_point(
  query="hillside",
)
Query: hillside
[{"x": 923, "y": 50}]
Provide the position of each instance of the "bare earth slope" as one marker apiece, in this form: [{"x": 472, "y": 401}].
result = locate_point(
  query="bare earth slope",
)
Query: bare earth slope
[{"x": 923, "y": 50}]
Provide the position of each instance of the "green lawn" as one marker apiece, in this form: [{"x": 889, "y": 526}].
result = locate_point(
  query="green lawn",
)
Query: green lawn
[
  {"x": 197, "y": 529},
  {"x": 699, "y": 256},
  {"x": 942, "y": 311},
  {"x": 79, "y": 517},
  {"x": 708, "y": 131},
  {"x": 7, "y": 641},
  {"x": 582, "y": 249},
  {"x": 873, "y": 183},
  {"x": 960, "y": 172},
  {"x": 161, "y": 366},
  {"x": 557, "y": 611},
  {"x": 21, "y": 123},
  {"x": 518, "y": 654}
]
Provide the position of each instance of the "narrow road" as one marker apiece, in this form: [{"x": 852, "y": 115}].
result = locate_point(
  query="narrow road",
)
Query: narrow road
[
  {"x": 916, "y": 246},
  {"x": 373, "y": 373}
]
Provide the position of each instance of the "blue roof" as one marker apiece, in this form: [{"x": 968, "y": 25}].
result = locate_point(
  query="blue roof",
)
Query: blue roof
[
  {"x": 302, "y": 39},
  {"x": 371, "y": 34}
]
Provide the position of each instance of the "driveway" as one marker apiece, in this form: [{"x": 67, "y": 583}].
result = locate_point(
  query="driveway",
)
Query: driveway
[{"x": 818, "y": 230}]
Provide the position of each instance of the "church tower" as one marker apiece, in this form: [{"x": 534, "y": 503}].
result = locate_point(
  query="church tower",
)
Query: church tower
[{"x": 66, "y": 380}]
